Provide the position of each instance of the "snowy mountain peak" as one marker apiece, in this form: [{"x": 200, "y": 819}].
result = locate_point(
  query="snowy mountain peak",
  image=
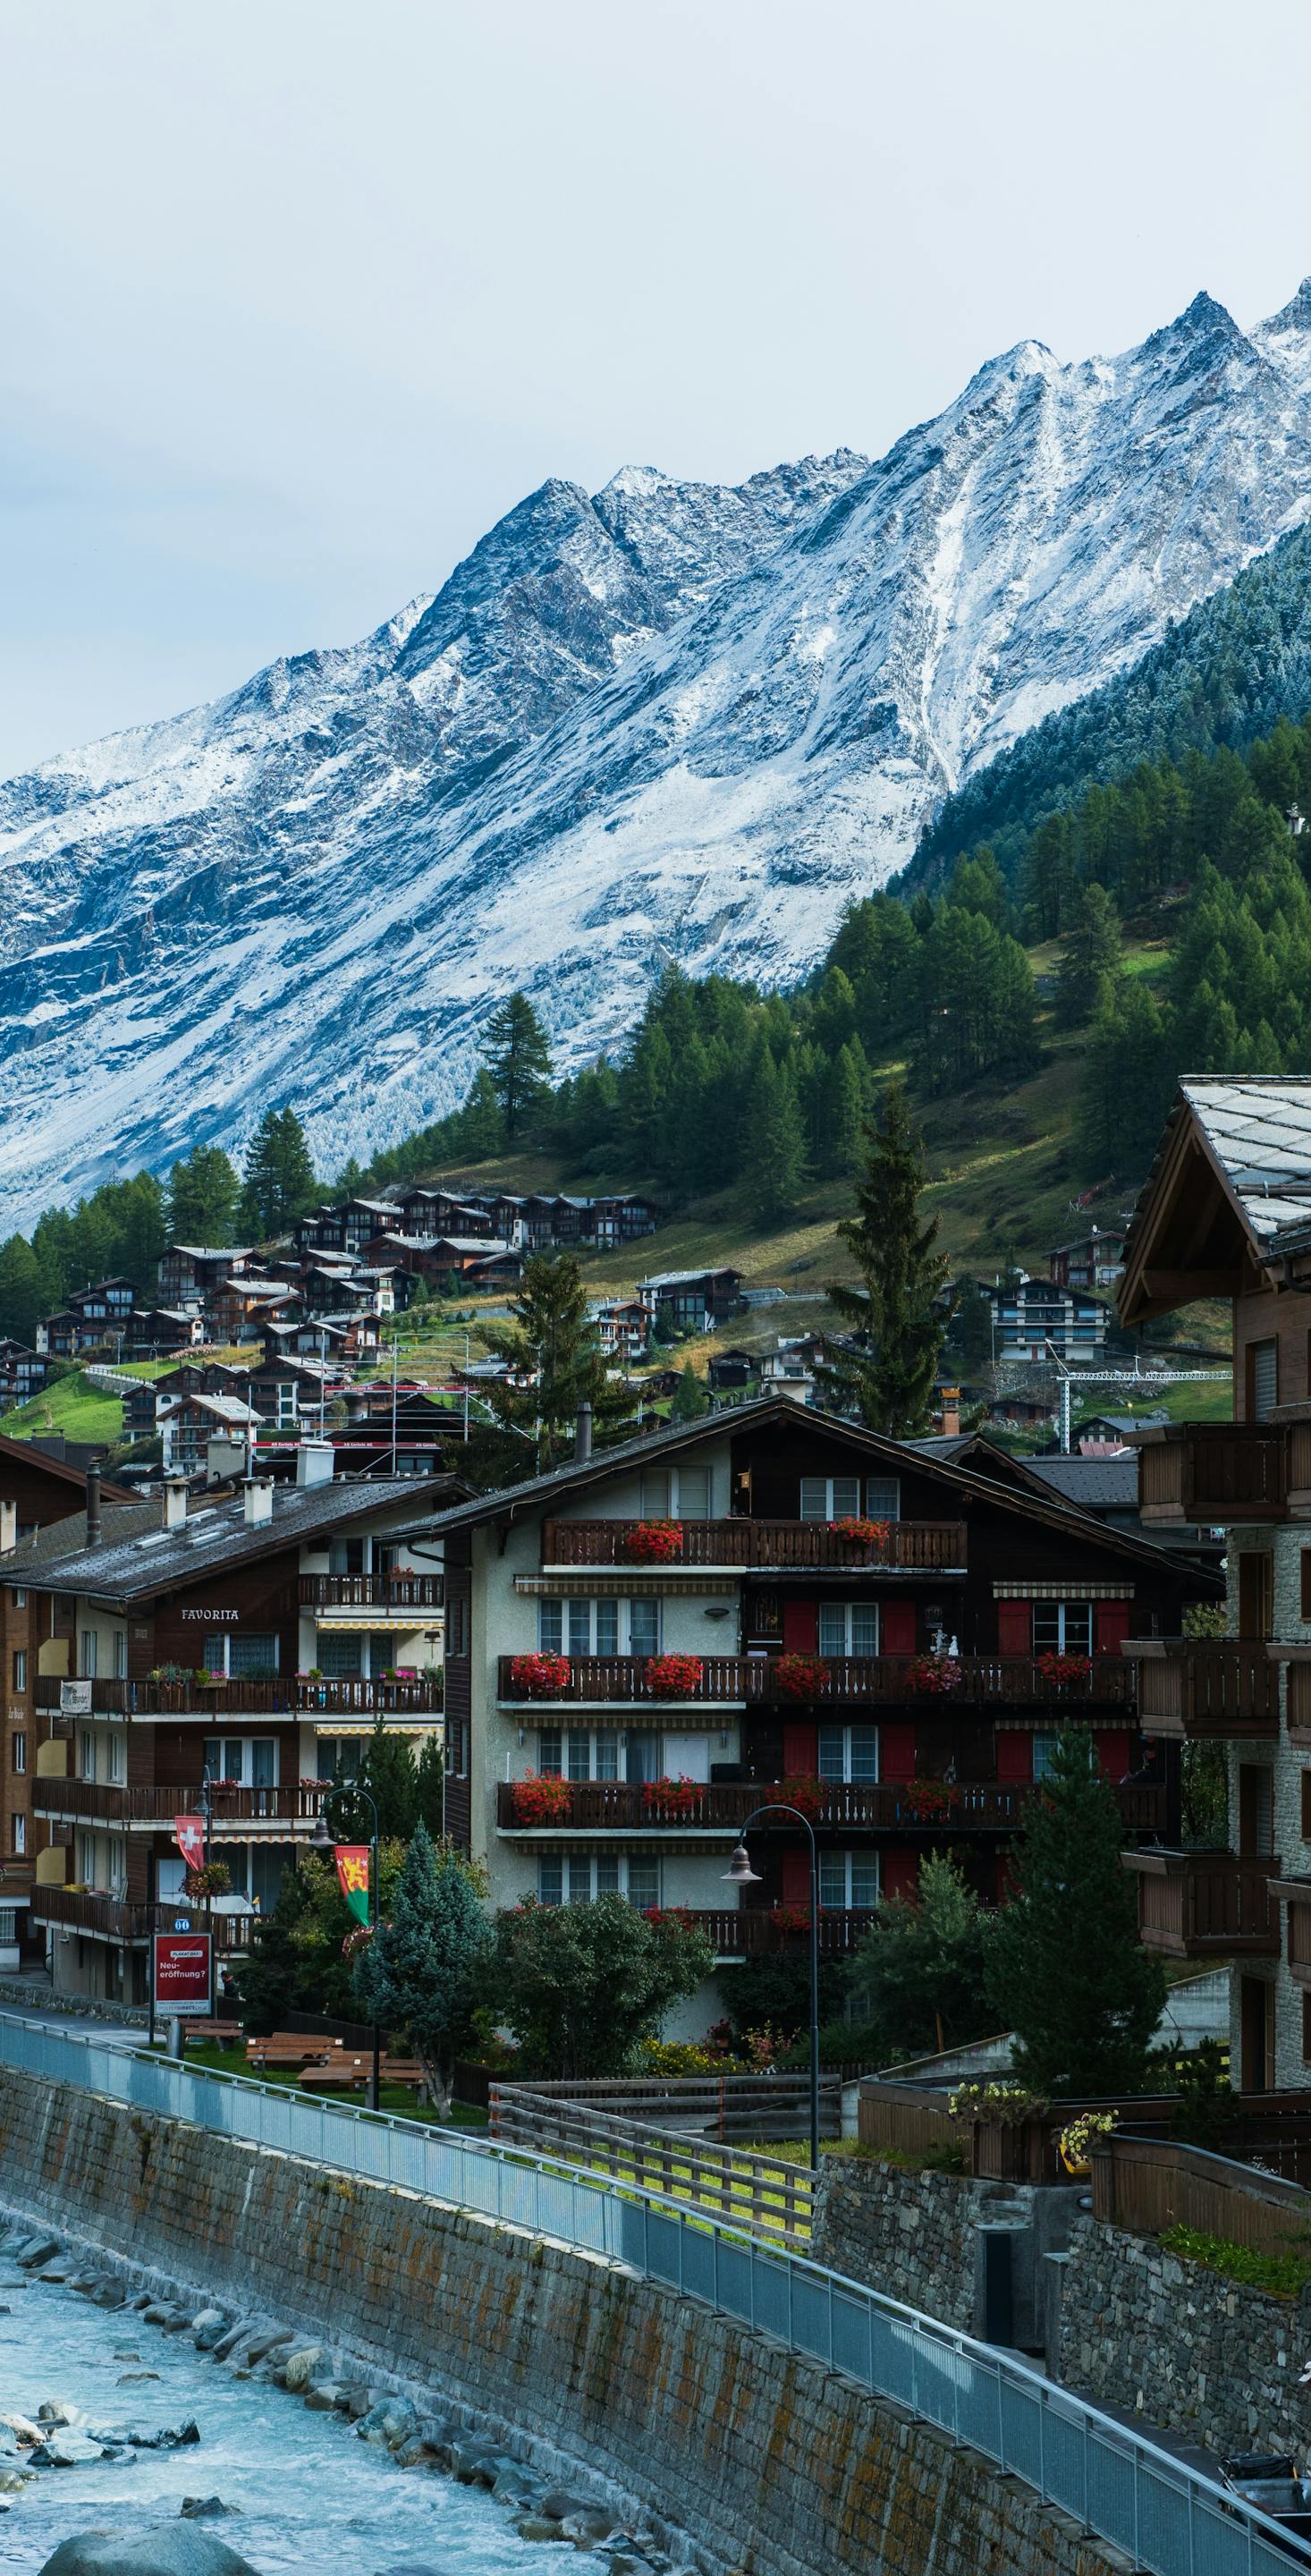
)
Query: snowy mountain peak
[{"x": 665, "y": 719}]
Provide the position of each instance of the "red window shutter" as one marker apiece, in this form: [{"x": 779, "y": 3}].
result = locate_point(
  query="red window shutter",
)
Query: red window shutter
[
  {"x": 896, "y": 1753},
  {"x": 897, "y": 1628},
  {"x": 1111, "y": 1625},
  {"x": 801, "y": 1627},
  {"x": 1114, "y": 1751},
  {"x": 899, "y": 1874},
  {"x": 796, "y": 1878},
  {"x": 1014, "y": 1628},
  {"x": 1014, "y": 1754},
  {"x": 800, "y": 1752}
]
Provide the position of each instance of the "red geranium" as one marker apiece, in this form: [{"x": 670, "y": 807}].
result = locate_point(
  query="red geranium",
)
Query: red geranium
[
  {"x": 540, "y": 1676},
  {"x": 859, "y": 1532},
  {"x": 806, "y": 1795},
  {"x": 654, "y": 1542},
  {"x": 542, "y": 1798},
  {"x": 931, "y": 1675},
  {"x": 667, "y": 1798},
  {"x": 1058, "y": 1670},
  {"x": 673, "y": 1676},
  {"x": 926, "y": 1799},
  {"x": 801, "y": 1676}
]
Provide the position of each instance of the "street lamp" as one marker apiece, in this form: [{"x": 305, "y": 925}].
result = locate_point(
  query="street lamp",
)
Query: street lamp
[
  {"x": 321, "y": 1841},
  {"x": 740, "y": 1873}
]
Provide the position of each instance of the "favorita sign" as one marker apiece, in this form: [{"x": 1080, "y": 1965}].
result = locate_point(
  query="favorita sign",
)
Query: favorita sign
[{"x": 182, "y": 1972}]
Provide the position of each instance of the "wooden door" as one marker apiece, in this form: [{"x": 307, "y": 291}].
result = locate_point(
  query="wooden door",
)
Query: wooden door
[
  {"x": 1256, "y": 1593},
  {"x": 1256, "y": 2014}
]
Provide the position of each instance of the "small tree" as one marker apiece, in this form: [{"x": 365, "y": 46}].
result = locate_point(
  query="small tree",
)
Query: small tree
[
  {"x": 690, "y": 1397},
  {"x": 518, "y": 1061},
  {"x": 422, "y": 1969},
  {"x": 387, "y": 1771},
  {"x": 430, "y": 1786},
  {"x": 202, "y": 1198},
  {"x": 1092, "y": 951},
  {"x": 278, "y": 1175},
  {"x": 581, "y": 1985},
  {"x": 918, "y": 1977},
  {"x": 1065, "y": 1970},
  {"x": 555, "y": 1359},
  {"x": 884, "y": 1372}
]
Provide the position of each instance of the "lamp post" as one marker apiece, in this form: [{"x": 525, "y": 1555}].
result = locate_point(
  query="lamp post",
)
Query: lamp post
[
  {"x": 205, "y": 1804},
  {"x": 740, "y": 1873},
  {"x": 321, "y": 1841}
]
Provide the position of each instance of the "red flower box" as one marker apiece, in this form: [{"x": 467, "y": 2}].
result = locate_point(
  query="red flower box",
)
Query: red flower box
[
  {"x": 801, "y": 1676},
  {"x": 806, "y": 1795},
  {"x": 930, "y": 1676},
  {"x": 664, "y": 1799},
  {"x": 927, "y": 1799},
  {"x": 540, "y": 1676},
  {"x": 1058, "y": 1671},
  {"x": 542, "y": 1798},
  {"x": 654, "y": 1542},
  {"x": 673, "y": 1676},
  {"x": 858, "y": 1532}
]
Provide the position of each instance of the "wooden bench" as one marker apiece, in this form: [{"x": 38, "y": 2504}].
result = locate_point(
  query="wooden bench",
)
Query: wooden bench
[
  {"x": 337, "y": 2074},
  {"x": 210, "y": 2030},
  {"x": 285, "y": 2049}
]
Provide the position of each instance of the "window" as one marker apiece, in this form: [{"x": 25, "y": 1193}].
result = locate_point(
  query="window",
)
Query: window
[
  {"x": 578, "y": 1877},
  {"x": 340, "y": 1656},
  {"x": 87, "y": 1664},
  {"x": 8, "y": 1924},
  {"x": 87, "y": 1757},
  {"x": 338, "y": 1757},
  {"x": 582, "y": 1754},
  {"x": 20, "y": 1668},
  {"x": 116, "y": 1760},
  {"x": 252, "y": 1761},
  {"x": 830, "y": 1498},
  {"x": 848, "y": 1879},
  {"x": 1043, "y": 1748},
  {"x": 598, "y": 1627},
  {"x": 1262, "y": 1379},
  {"x": 19, "y": 1828},
  {"x": 676, "y": 1494},
  {"x": 883, "y": 1497},
  {"x": 346, "y": 1555},
  {"x": 848, "y": 1627},
  {"x": 287, "y": 1396},
  {"x": 252, "y": 1654},
  {"x": 120, "y": 1654},
  {"x": 19, "y": 1596},
  {"x": 214, "y": 1651},
  {"x": 457, "y": 1628},
  {"x": 1062, "y": 1627},
  {"x": 848, "y": 1753},
  {"x": 18, "y": 1748}
]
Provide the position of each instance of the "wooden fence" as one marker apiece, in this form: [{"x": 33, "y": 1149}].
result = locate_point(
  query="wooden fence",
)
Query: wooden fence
[
  {"x": 759, "y": 2191},
  {"x": 1150, "y": 2184},
  {"x": 726, "y": 2107}
]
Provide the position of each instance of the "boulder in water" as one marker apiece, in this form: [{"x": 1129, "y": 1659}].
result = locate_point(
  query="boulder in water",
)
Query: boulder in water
[{"x": 177, "y": 2549}]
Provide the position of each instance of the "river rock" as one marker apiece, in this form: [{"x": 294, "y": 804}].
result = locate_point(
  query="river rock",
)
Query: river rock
[
  {"x": 205, "y": 2508},
  {"x": 326, "y": 2397},
  {"x": 226, "y": 2343},
  {"x": 360, "y": 2400},
  {"x": 267, "y": 2341},
  {"x": 388, "y": 2424},
  {"x": 23, "y": 2427},
  {"x": 586, "y": 2529},
  {"x": 13, "y": 2481},
  {"x": 52, "y": 2410},
  {"x": 539, "y": 2526},
  {"x": 37, "y": 2249},
  {"x": 209, "y": 2329},
  {"x": 169, "y": 2437},
  {"x": 134, "y": 2378},
  {"x": 557, "y": 2502},
  {"x": 178, "y": 2549},
  {"x": 111, "y": 2294},
  {"x": 300, "y": 2366},
  {"x": 125, "y": 2352},
  {"x": 68, "y": 2451}
]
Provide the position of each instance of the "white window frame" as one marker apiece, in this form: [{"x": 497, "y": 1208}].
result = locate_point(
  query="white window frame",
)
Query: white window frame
[
  {"x": 838, "y": 1498},
  {"x": 88, "y": 1643},
  {"x": 863, "y": 1778},
  {"x": 120, "y": 1654},
  {"x": 18, "y": 1595},
  {"x": 86, "y": 1755},
  {"x": 19, "y": 1828},
  {"x": 840, "y": 1622},
  {"x": 576, "y": 1876},
  {"x": 117, "y": 1766},
  {"x": 246, "y": 1743},
  {"x": 665, "y": 1496},
  {"x": 845, "y": 1900},
  {"x": 1082, "y": 1644},
  {"x": 18, "y": 1750},
  {"x": 558, "y": 1613},
  {"x": 20, "y": 1668},
  {"x": 224, "y": 1638}
]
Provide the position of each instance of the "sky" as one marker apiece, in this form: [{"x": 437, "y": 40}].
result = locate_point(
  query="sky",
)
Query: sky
[{"x": 297, "y": 297}]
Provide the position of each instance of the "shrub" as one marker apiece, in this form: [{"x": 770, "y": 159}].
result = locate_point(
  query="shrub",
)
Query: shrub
[
  {"x": 1283, "y": 2275},
  {"x": 1006, "y": 2105}
]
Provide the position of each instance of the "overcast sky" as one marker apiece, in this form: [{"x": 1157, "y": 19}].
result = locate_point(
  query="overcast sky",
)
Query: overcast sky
[{"x": 301, "y": 295}]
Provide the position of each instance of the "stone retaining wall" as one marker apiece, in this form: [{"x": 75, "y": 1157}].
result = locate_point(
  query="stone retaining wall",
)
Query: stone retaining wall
[
  {"x": 1178, "y": 2344},
  {"x": 767, "y": 2462},
  {"x": 31, "y": 1998},
  {"x": 910, "y": 2234}
]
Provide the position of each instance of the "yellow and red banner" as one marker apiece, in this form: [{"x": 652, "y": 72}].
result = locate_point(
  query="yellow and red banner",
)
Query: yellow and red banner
[{"x": 353, "y": 1877}]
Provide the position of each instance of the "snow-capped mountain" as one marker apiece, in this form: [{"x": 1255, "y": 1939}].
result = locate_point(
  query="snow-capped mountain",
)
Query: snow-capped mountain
[{"x": 670, "y": 720}]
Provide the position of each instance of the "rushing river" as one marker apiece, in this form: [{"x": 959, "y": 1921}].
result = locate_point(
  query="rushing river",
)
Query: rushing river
[{"x": 312, "y": 2495}]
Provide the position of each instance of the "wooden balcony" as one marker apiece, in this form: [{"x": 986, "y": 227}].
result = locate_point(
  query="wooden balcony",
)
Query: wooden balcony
[
  {"x": 1194, "y": 1689},
  {"x": 108, "y": 1699},
  {"x": 1215, "y": 1472},
  {"x": 601, "y": 1681},
  {"x": 1295, "y": 1895},
  {"x": 108, "y": 1918},
  {"x": 1205, "y": 1905},
  {"x": 744, "y": 1546},
  {"x": 232, "y": 1812},
  {"x": 720, "y": 1807},
  {"x": 393, "y": 1593},
  {"x": 222, "y": 1701},
  {"x": 750, "y": 1931}
]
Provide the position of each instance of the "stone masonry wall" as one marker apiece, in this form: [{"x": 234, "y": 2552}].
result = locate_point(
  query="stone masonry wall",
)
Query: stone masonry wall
[
  {"x": 767, "y": 2462},
  {"x": 1182, "y": 2346},
  {"x": 910, "y": 2235}
]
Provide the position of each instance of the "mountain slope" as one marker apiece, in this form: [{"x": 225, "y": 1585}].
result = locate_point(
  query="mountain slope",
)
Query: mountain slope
[{"x": 671, "y": 720}]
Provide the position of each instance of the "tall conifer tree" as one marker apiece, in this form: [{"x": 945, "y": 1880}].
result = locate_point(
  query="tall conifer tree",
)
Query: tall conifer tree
[{"x": 883, "y": 1370}]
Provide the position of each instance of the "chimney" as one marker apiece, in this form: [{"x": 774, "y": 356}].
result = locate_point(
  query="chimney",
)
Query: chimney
[
  {"x": 950, "y": 1412},
  {"x": 93, "y": 1526},
  {"x": 315, "y": 1460},
  {"x": 8, "y": 1527},
  {"x": 175, "y": 1502},
  {"x": 583, "y": 1432},
  {"x": 257, "y": 1495}
]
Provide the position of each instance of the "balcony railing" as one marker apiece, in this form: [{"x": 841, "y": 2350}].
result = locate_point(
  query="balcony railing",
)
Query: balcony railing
[
  {"x": 99, "y": 1802},
  {"x": 744, "y": 1932},
  {"x": 752, "y": 1680},
  {"x": 395, "y": 1592},
  {"x": 759, "y": 1546},
  {"x": 1200, "y": 1905},
  {"x": 1215, "y": 1472},
  {"x": 109, "y": 1918},
  {"x": 294, "y": 1697},
  {"x": 1198, "y": 1688},
  {"x": 722, "y": 1806}
]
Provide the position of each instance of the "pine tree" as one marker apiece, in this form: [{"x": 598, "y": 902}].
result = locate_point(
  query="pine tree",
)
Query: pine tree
[
  {"x": 387, "y": 1772},
  {"x": 918, "y": 1976},
  {"x": 690, "y": 1397},
  {"x": 775, "y": 1142},
  {"x": 202, "y": 1198},
  {"x": 482, "y": 1124},
  {"x": 421, "y": 1971},
  {"x": 26, "y": 1293},
  {"x": 884, "y": 1373},
  {"x": 1092, "y": 950},
  {"x": 1065, "y": 1970},
  {"x": 518, "y": 1057},
  {"x": 555, "y": 1359},
  {"x": 846, "y": 1110},
  {"x": 278, "y": 1175}
]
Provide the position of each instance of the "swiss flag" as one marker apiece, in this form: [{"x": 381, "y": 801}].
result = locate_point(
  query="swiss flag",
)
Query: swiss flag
[{"x": 190, "y": 1835}]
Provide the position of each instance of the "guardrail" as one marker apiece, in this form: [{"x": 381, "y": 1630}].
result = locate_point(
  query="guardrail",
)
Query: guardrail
[
  {"x": 1160, "y": 2512},
  {"x": 757, "y": 2191}
]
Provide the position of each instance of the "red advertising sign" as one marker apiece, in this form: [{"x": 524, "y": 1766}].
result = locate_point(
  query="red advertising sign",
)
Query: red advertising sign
[
  {"x": 182, "y": 1972},
  {"x": 189, "y": 1834}
]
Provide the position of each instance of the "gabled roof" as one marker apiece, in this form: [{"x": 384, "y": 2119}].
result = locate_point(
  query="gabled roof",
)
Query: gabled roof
[
  {"x": 1232, "y": 1170},
  {"x": 23, "y": 1454},
  {"x": 137, "y": 1559}
]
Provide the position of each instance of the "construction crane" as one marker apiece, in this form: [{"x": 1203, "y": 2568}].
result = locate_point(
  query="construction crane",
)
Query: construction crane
[{"x": 1136, "y": 1376}]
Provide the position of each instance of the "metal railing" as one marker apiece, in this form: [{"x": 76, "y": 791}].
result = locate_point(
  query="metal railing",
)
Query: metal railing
[{"x": 1160, "y": 2512}]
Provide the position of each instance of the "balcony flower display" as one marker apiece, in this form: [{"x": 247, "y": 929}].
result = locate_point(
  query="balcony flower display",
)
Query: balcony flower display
[
  {"x": 654, "y": 1543},
  {"x": 931, "y": 1676},
  {"x": 928, "y": 1799},
  {"x": 1078, "y": 2139},
  {"x": 872, "y": 1536},
  {"x": 673, "y": 1676},
  {"x": 801, "y": 1792},
  {"x": 542, "y": 1798},
  {"x": 801, "y": 1676},
  {"x": 540, "y": 1676},
  {"x": 1005, "y": 2105},
  {"x": 172, "y": 1673},
  {"x": 1059, "y": 1671},
  {"x": 663, "y": 1799},
  {"x": 357, "y": 1939},
  {"x": 791, "y": 1918},
  {"x": 215, "y": 1879},
  {"x": 680, "y": 1918}
]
